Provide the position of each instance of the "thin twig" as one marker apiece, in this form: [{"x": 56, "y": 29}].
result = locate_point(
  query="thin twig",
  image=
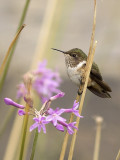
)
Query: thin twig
[
  {"x": 93, "y": 30},
  {"x": 81, "y": 104},
  {"x": 64, "y": 146}
]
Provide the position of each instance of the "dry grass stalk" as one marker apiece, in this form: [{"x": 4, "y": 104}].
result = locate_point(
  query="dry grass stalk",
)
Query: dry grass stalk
[
  {"x": 81, "y": 104},
  {"x": 82, "y": 87}
]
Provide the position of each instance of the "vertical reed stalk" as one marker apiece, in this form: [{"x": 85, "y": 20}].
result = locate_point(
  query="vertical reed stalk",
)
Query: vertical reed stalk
[
  {"x": 28, "y": 85},
  {"x": 88, "y": 68},
  {"x": 9, "y": 154},
  {"x": 98, "y": 121},
  {"x": 25, "y": 123},
  {"x": 81, "y": 103}
]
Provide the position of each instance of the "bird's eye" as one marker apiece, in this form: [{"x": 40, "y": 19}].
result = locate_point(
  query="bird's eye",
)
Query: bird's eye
[{"x": 74, "y": 55}]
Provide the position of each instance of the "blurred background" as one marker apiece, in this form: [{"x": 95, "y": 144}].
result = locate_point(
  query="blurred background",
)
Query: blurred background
[{"x": 71, "y": 28}]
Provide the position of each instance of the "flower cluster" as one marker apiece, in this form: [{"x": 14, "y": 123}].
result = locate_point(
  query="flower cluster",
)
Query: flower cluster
[
  {"x": 47, "y": 115},
  {"x": 45, "y": 82}
]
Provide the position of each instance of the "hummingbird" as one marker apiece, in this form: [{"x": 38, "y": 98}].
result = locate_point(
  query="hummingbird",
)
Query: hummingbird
[{"x": 75, "y": 60}]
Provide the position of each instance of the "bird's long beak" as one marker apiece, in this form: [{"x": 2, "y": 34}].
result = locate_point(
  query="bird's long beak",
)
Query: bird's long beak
[{"x": 58, "y": 50}]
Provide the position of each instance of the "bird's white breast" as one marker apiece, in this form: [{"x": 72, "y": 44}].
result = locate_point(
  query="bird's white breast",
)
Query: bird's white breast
[{"x": 74, "y": 73}]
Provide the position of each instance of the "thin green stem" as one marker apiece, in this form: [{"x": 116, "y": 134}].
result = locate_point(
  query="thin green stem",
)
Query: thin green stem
[
  {"x": 14, "y": 46},
  {"x": 25, "y": 124},
  {"x": 34, "y": 145},
  {"x": 24, "y": 13},
  {"x": 28, "y": 84}
]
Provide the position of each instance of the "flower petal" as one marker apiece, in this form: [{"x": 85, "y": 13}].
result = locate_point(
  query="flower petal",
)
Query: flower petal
[
  {"x": 60, "y": 127},
  {"x": 44, "y": 128},
  {"x": 9, "y": 101},
  {"x": 35, "y": 125},
  {"x": 21, "y": 112},
  {"x": 75, "y": 105},
  {"x": 54, "y": 120},
  {"x": 59, "y": 95},
  {"x": 39, "y": 128}
]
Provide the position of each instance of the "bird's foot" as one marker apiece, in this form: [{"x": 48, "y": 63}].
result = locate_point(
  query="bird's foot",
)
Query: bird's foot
[
  {"x": 80, "y": 91},
  {"x": 82, "y": 81}
]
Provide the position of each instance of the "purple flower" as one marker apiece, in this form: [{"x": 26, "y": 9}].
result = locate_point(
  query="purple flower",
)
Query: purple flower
[
  {"x": 39, "y": 123},
  {"x": 48, "y": 101},
  {"x": 59, "y": 95},
  {"x": 70, "y": 126},
  {"x": 55, "y": 116},
  {"x": 60, "y": 127},
  {"x": 45, "y": 87},
  {"x": 9, "y": 101},
  {"x": 46, "y": 114},
  {"x": 46, "y": 82},
  {"x": 74, "y": 109},
  {"x": 21, "y": 112},
  {"x": 41, "y": 68}
]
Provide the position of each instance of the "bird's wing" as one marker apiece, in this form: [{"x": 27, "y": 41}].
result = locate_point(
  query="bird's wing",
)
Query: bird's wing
[
  {"x": 96, "y": 76},
  {"x": 95, "y": 72}
]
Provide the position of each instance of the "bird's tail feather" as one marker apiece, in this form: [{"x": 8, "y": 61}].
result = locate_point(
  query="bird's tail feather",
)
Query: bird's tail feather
[
  {"x": 99, "y": 92},
  {"x": 102, "y": 84}
]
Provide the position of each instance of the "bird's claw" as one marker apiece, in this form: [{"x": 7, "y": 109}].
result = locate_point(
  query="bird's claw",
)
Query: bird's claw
[
  {"x": 82, "y": 81},
  {"x": 80, "y": 91}
]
